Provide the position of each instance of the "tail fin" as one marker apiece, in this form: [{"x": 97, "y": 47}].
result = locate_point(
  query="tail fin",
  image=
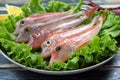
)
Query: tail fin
[
  {"x": 92, "y": 11},
  {"x": 102, "y": 17},
  {"x": 89, "y": 33},
  {"x": 98, "y": 25}
]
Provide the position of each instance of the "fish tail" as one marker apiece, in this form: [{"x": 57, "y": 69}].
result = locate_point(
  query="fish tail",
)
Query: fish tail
[
  {"x": 98, "y": 25},
  {"x": 93, "y": 31},
  {"x": 102, "y": 17},
  {"x": 92, "y": 11}
]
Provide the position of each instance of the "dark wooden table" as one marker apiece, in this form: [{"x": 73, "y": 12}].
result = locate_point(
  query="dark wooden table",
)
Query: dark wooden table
[{"x": 9, "y": 71}]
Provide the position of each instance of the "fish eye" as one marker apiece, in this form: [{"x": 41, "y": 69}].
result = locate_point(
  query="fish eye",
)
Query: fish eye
[
  {"x": 22, "y": 22},
  {"x": 48, "y": 42},
  {"x": 37, "y": 34},
  {"x": 27, "y": 29},
  {"x": 58, "y": 48}
]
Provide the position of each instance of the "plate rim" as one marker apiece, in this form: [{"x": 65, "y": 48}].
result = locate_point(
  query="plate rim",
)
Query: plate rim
[{"x": 56, "y": 72}]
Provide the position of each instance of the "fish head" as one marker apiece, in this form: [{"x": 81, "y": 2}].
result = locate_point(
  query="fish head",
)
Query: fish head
[
  {"x": 58, "y": 49},
  {"x": 24, "y": 35},
  {"x": 62, "y": 52},
  {"x": 26, "y": 31},
  {"x": 37, "y": 38},
  {"x": 47, "y": 46},
  {"x": 20, "y": 24}
]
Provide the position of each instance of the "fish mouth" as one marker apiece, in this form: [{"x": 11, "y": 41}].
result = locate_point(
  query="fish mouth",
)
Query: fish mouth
[
  {"x": 45, "y": 54},
  {"x": 33, "y": 43},
  {"x": 20, "y": 39},
  {"x": 15, "y": 32},
  {"x": 30, "y": 42}
]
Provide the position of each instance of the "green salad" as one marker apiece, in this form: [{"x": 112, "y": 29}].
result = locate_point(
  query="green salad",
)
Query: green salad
[{"x": 101, "y": 47}]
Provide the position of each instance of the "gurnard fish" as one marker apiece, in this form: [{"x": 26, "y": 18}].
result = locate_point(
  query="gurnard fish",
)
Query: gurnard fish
[
  {"x": 26, "y": 32},
  {"x": 38, "y": 18},
  {"x": 24, "y": 36},
  {"x": 62, "y": 46},
  {"x": 40, "y": 35}
]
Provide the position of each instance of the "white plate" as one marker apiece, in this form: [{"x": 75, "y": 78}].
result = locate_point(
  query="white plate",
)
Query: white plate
[{"x": 57, "y": 72}]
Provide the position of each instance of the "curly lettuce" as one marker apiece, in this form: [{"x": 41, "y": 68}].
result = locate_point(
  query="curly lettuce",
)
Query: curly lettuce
[{"x": 111, "y": 25}]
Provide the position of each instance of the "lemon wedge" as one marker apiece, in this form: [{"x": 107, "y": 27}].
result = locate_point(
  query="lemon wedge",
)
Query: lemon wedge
[
  {"x": 3, "y": 16},
  {"x": 13, "y": 10}
]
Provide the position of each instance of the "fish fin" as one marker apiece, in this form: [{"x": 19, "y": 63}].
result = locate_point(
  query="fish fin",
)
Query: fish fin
[
  {"x": 81, "y": 45},
  {"x": 102, "y": 17},
  {"x": 96, "y": 27},
  {"x": 91, "y": 11}
]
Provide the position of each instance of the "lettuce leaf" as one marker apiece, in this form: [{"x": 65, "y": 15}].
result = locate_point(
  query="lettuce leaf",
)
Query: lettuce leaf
[
  {"x": 111, "y": 25},
  {"x": 34, "y": 7},
  {"x": 77, "y": 8},
  {"x": 57, "y": 6},
  {"x": 5, "y": 31},
  {"x": 22, "y": 53}
]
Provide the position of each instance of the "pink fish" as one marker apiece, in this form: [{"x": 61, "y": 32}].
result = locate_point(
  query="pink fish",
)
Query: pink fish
[
  {"x": 25, "y": 33},
  {"x": 40, "y": 35},
  {"x": 61, "y": 46},
  {"x": 38, "y": 18}
]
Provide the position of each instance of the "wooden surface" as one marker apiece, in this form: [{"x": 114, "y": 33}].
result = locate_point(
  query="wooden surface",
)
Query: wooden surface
[{"x": 9, "y": 71}]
